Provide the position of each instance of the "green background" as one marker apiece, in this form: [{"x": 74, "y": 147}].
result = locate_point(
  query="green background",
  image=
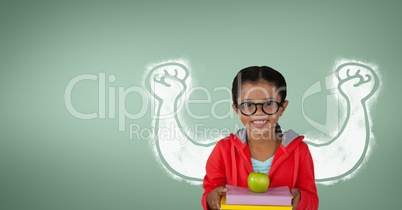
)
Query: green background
[{"x": 52, "y": 160}]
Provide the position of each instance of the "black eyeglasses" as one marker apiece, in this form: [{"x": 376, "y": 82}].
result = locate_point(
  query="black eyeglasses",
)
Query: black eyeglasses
[{"x": 249, "y": 108}]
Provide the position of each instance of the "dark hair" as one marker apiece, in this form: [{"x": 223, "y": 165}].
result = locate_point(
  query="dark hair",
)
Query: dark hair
[{"x": 254, "y": 74}]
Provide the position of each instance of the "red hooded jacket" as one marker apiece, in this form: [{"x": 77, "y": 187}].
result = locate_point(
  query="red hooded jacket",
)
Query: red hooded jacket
[{"x": 230, "y": 163}]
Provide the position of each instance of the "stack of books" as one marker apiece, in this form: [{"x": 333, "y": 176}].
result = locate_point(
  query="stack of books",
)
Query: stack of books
[{"x": 239, "y": 198}]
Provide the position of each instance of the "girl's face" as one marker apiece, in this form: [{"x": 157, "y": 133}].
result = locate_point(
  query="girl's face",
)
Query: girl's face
[{"x": 260, "y": 125}]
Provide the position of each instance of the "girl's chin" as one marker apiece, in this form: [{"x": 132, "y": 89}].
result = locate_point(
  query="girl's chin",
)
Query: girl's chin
[
  {"x": 266, "y": 130},
  {"x": 262, "y": 135}
]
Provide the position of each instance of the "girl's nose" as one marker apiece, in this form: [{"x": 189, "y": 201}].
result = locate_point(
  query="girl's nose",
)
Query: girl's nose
[{"x": 259, "y": 110}]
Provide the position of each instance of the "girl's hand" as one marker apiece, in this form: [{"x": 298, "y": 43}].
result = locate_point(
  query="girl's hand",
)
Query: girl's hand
[
  {"x": 296, "y": 197},
  {"x": 214, "y": 197}
]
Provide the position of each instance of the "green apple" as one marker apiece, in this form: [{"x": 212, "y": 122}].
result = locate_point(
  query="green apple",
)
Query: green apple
[{"x": 258, "y": 182}]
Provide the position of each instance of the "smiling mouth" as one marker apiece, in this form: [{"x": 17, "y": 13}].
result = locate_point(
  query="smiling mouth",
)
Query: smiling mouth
[{"x": 259, "y": 122}]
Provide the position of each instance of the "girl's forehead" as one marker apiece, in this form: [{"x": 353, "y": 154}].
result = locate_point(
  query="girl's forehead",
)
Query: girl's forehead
[
  {"x": 260, "y": 90},
  {"x": 259, "y": 86}
]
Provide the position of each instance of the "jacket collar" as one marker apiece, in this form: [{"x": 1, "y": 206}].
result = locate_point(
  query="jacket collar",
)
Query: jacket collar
[{"x": 287, "y": 136}]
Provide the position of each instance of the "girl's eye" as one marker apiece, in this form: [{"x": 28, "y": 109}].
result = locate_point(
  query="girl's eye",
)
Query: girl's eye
[
  {"x": 269, "y": 103},
  {"x": 248, "y": 104}
]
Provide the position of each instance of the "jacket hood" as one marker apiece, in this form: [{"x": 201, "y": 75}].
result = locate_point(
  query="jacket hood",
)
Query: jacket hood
[{"x": 287, "y": 136}]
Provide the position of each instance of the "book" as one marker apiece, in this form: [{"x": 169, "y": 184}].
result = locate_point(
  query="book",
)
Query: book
[
  {"x": 278, "y": 196},
  {"x": 225, "y": 206}
]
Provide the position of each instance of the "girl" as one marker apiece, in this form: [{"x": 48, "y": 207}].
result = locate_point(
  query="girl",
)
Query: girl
[{"x": 259, "y": 95}]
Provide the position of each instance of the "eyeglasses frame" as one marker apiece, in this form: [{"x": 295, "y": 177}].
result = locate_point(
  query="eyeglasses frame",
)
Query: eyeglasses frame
[{"x": 280, "y": 104}]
